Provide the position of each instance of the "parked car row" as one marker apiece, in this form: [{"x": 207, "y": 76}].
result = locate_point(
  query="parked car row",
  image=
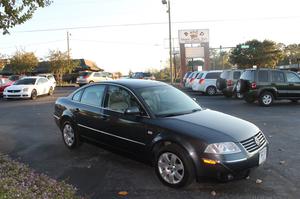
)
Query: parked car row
[
  {"x": 203, "y": 81},
  {"x": 262, "y": 85},
  {"x": 27, "y": 87}
]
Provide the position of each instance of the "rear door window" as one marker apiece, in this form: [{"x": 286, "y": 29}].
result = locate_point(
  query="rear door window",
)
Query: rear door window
[
  {"x": 277, "y": 76},
  {"x": 263, "y": 76},
  {"x": 93, "y": 95},
  {"x": 213, "y": 75}
]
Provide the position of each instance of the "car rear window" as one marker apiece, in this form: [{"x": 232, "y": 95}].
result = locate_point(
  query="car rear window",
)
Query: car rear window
[
  {"x": 263, "y": 76},
  {"x": 248, "y": 75},
  {"x": 199, "y": 75},
  {"x": 236, "y": 74},
  {"x": 225, "y": 75},
  {"x": 213, "y": 75},
  {"x": 187, "y": 74}
]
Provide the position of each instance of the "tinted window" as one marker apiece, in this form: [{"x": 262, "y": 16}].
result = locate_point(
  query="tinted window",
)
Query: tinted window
[
  {"x": 263, "y": 76},
  {"x": 93, "y": 95},
  {"x": 225, "y": 75},
  {"x": 292, "y": 78},
  {"x": 187, "y": 74},
  {"x": 248, "y": 75},
  {"x": 119, "y": 99},
  {"x": 76, "y": 96},
  {"x": 236, "y": 74},
  {"x": 27, "y": 81},
  {"x": 277, "y": 76},
  {"x": 214, "y": 75},
  {"x": 97, "y": 75}
]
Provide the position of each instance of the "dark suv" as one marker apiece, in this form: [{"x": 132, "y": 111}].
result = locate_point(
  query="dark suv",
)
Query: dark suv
[
  {"x": 227, "y": 82},
  {"x": 267, "y": 85}
]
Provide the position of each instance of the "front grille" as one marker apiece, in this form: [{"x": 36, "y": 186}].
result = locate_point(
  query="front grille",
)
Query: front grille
[
  {"x": 13, "y": 95},
  {"x": 254, "y": 143},
  {"x": 14, "y": 91}
]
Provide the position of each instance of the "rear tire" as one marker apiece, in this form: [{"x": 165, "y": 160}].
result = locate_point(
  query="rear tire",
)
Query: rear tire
[
  {"x": 70, "y": 135},
  {"x": 211, "y": 90},
  {"x": 266, "y": 98},
  {"x": 173, "y": 166},
  {"x": 33, "y": 94}
]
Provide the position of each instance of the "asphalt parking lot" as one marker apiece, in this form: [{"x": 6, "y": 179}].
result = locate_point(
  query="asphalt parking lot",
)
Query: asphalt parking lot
[{"x": 29, "y": 134}]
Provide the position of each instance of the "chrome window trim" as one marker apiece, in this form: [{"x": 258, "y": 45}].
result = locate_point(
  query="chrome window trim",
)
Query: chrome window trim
[{"x": 103, "y": 132}]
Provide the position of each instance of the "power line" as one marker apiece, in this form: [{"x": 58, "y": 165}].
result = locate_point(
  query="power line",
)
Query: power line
[
  {"x": 154, "y": 23},
  {"x": 116, "y": 42}
]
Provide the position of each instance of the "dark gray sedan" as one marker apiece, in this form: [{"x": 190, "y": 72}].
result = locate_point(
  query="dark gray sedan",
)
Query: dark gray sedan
[{"x": 158, "y": 122}]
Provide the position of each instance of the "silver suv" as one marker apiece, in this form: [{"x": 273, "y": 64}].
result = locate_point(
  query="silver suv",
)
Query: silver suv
[{"x": 87, "y": 77}]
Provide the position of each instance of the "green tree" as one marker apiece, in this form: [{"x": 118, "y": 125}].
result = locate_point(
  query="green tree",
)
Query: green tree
[
  {"x": 15, "y": 12},
  {"x": 23, "y": 62},
  {"x": 219, "y": 60},
  {"x": 60, "y": 63},
  {"x": 291, "y": 54},
  {"x": 262, "y": 54}
]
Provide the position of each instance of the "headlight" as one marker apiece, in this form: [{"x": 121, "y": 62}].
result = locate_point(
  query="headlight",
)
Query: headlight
[
  {"x": 25, "y": 89},
  {"x": 222, "y": 148}
]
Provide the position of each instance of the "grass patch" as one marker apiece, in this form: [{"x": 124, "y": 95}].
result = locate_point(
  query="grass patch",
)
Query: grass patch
[{"x": 19, "y": 181}]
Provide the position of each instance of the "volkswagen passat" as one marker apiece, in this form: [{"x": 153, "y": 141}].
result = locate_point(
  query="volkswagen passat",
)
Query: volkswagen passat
[{"x": 157, "y": 121}]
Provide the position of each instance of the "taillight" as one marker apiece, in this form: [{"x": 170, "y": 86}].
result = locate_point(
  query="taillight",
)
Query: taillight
[
  {"x": 201, "y": 81},
  {"x": 229, "y": 82},
  {"x": 253, "y": 85},
  {"x": 191, "y": 80},
  {"x": 85, "y": 77}
]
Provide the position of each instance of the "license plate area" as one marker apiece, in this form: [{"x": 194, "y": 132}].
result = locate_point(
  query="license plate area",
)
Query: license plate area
[{"x": 262, "y": 156}]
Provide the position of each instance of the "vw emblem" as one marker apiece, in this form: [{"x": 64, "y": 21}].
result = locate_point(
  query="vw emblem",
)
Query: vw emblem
[{"x": 257, "y": 141}]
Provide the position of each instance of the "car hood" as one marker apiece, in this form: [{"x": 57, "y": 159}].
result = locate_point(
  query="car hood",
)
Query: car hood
[
  {"x": 213, "y": 125},
  {"x": 19, "y": 87}
]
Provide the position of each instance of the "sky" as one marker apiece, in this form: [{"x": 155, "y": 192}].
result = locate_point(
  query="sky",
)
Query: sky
[{"x": 123, "y": 35}]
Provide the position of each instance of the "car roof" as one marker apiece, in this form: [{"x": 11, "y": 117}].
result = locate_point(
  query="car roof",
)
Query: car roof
[
  {"x": 136, "y": 83},
  {"x": 32, "y": 77}
]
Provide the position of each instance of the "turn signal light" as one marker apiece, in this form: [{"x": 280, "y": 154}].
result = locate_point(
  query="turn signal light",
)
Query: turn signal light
[{"x": 209, "y": 161}]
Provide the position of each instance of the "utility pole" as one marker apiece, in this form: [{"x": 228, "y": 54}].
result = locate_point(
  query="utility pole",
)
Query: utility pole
[
  {"x": 170, "y": 37},
  {"x": 68, "y": 46}
]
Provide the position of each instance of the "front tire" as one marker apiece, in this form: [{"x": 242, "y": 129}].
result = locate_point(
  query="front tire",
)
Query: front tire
[
  {"x": 266, "y": 99},
  {"x": 33, "y": 94},
  {"x": 173, "y": 166},
  {"x": 50, "y": 91},
  {"x": 70, "y": 135}
]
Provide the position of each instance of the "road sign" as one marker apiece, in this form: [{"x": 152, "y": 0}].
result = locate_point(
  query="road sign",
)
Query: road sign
[{"x": 245, "y": 46}]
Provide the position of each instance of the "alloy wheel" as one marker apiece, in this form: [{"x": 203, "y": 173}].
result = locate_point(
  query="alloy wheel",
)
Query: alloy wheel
[
  {"x": 68, "y": 134},
  {"x": 267, "y": 99},
  {"x": 170, "y": 168}
]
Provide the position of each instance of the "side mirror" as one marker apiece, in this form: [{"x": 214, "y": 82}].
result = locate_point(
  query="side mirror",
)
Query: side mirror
[{"x": 134, "y": 110}]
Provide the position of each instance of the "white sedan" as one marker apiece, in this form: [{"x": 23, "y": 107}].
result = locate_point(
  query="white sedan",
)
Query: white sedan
[{"x": 29, "y": 87}]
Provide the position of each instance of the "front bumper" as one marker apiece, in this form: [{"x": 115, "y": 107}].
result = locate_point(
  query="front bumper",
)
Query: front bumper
[
  {"x": 19, "y": 95},
  {"x": 233, "y": 165}
]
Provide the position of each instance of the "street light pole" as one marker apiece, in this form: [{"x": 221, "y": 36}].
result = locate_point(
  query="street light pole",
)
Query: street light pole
[{"x": 165, "y": 2}]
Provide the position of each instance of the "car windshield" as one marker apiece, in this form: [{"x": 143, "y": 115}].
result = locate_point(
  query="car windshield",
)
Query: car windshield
[
  {"x": 27, "y": 81},
  {"x": 166, "y": 101}
]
